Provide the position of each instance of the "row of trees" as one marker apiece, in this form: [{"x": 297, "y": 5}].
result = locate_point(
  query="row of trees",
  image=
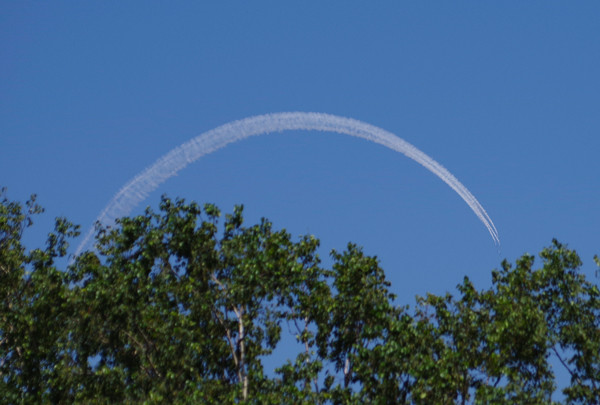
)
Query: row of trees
[{"x": 176, "y": 307}]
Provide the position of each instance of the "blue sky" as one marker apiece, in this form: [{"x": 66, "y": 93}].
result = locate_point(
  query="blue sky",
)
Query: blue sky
[{"x": 505, "y": 95}]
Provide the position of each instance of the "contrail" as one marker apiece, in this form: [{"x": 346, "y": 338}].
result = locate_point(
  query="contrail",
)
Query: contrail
[{"x": 137, "y": 189}]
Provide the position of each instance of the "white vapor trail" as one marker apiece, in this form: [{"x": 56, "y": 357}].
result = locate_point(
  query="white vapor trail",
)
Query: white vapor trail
[{"x": 138, "y": 188}]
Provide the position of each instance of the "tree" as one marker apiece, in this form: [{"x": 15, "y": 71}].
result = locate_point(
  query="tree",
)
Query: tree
[
  {"x": 177, "y": 307},
  {"x": 34, "y": 313}
]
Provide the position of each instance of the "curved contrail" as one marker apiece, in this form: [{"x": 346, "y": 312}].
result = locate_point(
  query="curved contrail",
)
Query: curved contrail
[{"x": 137, "y": 189}]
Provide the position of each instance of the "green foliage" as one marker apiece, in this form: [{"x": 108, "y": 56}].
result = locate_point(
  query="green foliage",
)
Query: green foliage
[
  {"x": 177, "y": 307},
  {"x": 34, "y": 313}
]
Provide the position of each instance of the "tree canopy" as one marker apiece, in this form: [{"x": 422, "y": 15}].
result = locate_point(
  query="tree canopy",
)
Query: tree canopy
[{"x": 184, "y": 305}]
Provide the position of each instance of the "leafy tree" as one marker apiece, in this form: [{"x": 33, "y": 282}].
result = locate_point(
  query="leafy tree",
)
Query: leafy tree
[
  {"x": 34, "y": 312},
  {"x": 177, "y": 307}
]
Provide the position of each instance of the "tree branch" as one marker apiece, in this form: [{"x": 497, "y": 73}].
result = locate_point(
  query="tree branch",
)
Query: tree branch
[
  {"x": 242, "y": 345},
  {"x": 565, "y": 365},
  {"x": 229, "y": 338},
  {"x": 146, "y": 354}
]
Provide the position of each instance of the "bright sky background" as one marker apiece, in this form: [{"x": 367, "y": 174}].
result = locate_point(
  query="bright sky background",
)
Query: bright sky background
[{"x": 505, "y": 95}]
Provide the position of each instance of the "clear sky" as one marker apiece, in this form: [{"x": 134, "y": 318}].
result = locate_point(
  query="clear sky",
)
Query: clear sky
[{"x": 505, "y": 95}]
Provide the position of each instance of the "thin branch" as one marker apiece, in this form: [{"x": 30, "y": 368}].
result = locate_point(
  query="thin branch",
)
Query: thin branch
[
  {"x": 216, "y": 280},
  {"x": 148, "y": 341},
  {"x": 238, "y": 314},
  {"x": 238, "y": 362},
  {"x": 229, "y": 338},
  {"x": 146, "y": 354},
  {"x": 242, "y": 345},
  {"x": 565, "y": 365},
  {"x": 347, "y": 371},
  {"x": 170, "y": 268}
]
